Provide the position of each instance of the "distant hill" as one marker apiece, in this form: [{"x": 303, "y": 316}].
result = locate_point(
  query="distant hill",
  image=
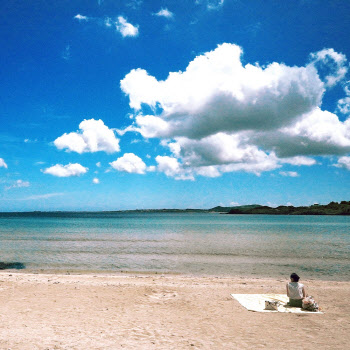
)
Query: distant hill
[
  {"x": 220, "y": 209},
  {"x": 333, "y": 208}
]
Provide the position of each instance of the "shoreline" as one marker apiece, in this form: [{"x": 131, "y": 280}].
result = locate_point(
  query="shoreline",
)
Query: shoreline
[
  {"x": 106, "y": 273},
  {"x": 161, "y": 311}
]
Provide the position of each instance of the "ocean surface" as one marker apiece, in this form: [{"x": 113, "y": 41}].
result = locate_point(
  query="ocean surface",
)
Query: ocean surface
[{"x": 187, "y": 243}]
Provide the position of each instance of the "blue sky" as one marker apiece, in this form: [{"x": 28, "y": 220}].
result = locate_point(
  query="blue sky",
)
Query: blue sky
[{"x": 109, "y": 105}]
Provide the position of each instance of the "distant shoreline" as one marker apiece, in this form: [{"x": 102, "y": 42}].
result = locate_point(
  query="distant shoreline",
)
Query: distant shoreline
[{"x": 333, "y": 208}]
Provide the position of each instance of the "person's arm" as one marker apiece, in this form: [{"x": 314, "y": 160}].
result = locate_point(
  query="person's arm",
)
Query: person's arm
[
  {"x": 304, "y": 293},
  {"x": 287, "y": 290}
]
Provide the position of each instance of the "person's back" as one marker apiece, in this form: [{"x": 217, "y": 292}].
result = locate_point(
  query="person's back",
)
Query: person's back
[{"x": 295, "y": 291}]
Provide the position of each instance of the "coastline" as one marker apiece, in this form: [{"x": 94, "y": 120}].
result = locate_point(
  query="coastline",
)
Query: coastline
[{"x": 161, "y": 311}]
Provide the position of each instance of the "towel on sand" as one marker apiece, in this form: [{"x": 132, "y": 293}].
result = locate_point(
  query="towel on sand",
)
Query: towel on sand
[{"x": 256, "y": 302}]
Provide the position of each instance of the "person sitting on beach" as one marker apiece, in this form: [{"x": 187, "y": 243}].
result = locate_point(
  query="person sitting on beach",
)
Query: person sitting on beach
[{"x": 295, "y": 291}]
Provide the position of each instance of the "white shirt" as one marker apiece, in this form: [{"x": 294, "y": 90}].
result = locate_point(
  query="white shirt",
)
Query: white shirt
[{"x": 295, "y": 290}]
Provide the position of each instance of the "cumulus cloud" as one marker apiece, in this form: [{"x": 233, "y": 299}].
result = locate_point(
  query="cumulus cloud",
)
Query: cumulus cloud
[
  {"x": 316, "y": 133},
  {"x": 172, "y": 168},
  {"x": 217, "y": 93},
  {"x": 125, "y": 28},
  {"x": 129, "y": 163},
  {"x": 331, "y": 65},
  {"x": 80, "y": 18},
  {"x": 66, "y": 170},
  {"x": 96, "y": 180},
  {"x": 265, "y": 162},
  {"x": 343, "y": 162},
  {"x": 344, "y": 103},
  {"x": 219, "y": 115},
  {"x": 208, "y": 171},
  {"x": 93, "y": 136},
  {"x": 299, "y": 160},
  {"x": 216, "y": 149},
  {"x": 164, "y": 13},
  {"x": 2, "y": 163}
]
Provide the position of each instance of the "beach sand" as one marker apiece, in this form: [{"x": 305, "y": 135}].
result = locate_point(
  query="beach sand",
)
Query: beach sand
[{"x": 152, "y": 311}]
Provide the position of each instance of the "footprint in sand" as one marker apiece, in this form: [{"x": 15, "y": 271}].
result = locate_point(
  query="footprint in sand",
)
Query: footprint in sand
[{"x": 163, "y": 295}]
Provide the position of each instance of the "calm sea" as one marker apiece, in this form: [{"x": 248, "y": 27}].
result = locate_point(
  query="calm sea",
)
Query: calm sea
[{"x": 190, "y": 243}]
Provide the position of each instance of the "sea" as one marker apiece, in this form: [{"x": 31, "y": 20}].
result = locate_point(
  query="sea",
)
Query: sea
[{"x": 202, "y": 244}]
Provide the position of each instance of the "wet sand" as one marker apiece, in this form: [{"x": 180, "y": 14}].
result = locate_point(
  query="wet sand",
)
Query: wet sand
[{"x": 144, "y": 311}]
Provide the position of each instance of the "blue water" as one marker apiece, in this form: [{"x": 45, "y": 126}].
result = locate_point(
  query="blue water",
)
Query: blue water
[{"x": 190, "y": 243}]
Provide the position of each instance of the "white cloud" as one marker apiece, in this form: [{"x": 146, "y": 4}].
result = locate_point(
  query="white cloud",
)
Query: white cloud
[
  {"x": 208, "y": 171},
  {"x": 66, "y": 54},
  {"x": 66, "y": 170},
  {"x": 93, "y": 137},
  {"x": 121, "y": 24},
  {"x": 214, "y": 4},
  {"x": 344, "y": 103},
  {"x": 98, "y": 164},
  {"x": 217, "y": 93},
  {"x": 164, "y": 12},
  {"x": 219, "y": 115},
  {"x": 216, "y": 149},
  {"x": 96, "y": 180},
  {"x": 30, "y": 141},
  {"x": 129, "y": 163},
  {"x": 289, "y": 173},
  {"x": 332, "y": 63},
  {"x": 2, "y": 163},
  {"x": 125, "y": 28},
  {"x": 343, "y": 162},
  {"x": 299, "y": 160},
  {"x": 151, "y": 168},
  {"x": 319, "y": 132},
  {"x": 211, "y": 4},
  {"x": 19, "y": 184},
  {"x": 108, "y": 22},
  {"x": 134, "y": 4},
  {"x": 265, "y": 162},
  {"x": 42, "y": 196},
  {"x": 81, "y": 18},
  {"x": 172, "y": 168}
]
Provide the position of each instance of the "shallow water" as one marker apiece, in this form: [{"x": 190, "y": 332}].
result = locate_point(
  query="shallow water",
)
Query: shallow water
[{"x": 194, "y": 243}]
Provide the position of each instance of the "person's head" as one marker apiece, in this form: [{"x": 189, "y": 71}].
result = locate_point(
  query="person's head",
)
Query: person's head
[{"x": 294, "y": 277}]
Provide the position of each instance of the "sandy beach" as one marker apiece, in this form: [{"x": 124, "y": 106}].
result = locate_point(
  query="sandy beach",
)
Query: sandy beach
[{"x": 143, "y": 311}]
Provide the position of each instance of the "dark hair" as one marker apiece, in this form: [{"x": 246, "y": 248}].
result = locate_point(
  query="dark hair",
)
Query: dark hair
[{"x": 294, "y": 277}]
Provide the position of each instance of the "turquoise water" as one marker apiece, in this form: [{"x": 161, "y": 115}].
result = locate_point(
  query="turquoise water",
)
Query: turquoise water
[{"x": 190, "y": 243}]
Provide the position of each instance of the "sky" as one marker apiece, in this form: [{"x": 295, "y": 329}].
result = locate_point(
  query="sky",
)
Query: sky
[{"x": 135, "y": 104}]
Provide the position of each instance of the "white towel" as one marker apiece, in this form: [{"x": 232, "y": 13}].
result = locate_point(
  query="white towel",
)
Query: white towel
[{"x": 256, "y": 302}]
